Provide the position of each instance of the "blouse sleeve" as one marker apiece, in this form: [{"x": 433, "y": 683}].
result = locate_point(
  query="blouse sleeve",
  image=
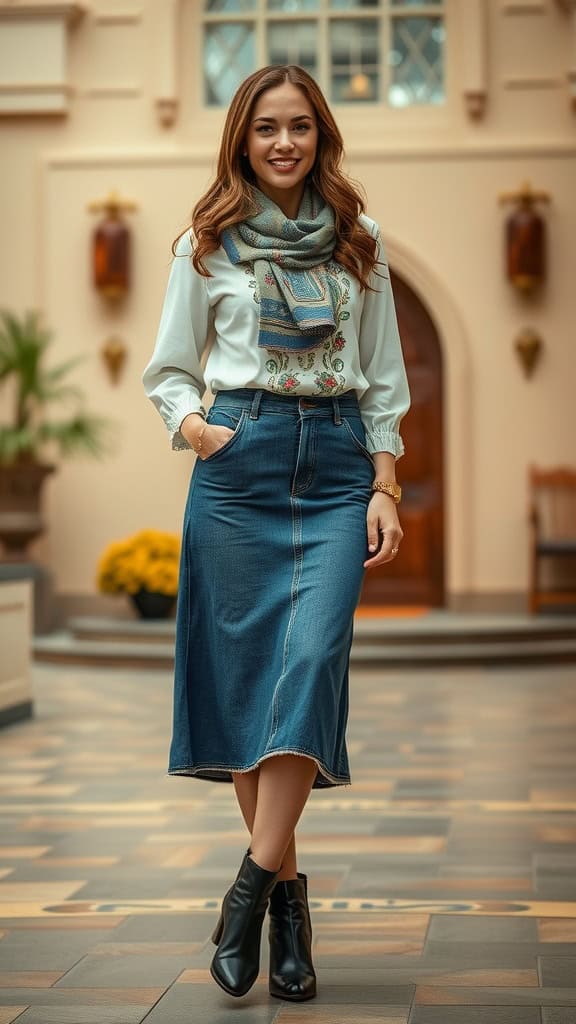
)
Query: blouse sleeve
[
  {"x": 173, "y": 378},
  {"x": 387, "y": 398}
]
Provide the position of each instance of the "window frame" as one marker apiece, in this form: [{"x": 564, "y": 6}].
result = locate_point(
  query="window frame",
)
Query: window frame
[{"x": 385, "y": 12}]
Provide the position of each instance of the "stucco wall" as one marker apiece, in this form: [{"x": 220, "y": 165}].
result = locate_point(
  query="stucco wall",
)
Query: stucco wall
[{"x": 432, "y": 178}]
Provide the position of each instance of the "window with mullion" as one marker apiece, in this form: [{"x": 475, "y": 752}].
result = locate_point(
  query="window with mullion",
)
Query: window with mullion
[{"x": 355, "y": 68}]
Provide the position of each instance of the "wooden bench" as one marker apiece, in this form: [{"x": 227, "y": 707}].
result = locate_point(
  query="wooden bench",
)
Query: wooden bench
[{"x": 552, "y": 516}]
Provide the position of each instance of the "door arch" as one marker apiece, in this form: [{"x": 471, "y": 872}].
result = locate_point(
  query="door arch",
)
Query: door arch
[{"x": 417, "y": 575}]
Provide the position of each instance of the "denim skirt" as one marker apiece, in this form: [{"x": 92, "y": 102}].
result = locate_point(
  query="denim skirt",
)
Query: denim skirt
[{"x": 273, "y": 543}]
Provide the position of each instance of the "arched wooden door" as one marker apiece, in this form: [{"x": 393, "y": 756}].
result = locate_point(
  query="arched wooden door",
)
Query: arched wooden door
[{"x": 416, "y": 576}]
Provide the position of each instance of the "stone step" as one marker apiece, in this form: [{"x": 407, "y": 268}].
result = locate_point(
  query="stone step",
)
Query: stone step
[
  {"x": 436, "y": 628},
  {"x": 64, "y": 647}
]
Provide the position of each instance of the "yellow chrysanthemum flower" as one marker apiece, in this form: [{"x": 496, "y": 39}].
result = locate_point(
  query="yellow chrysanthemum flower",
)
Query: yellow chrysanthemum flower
[{"x": 148, "y": 560}]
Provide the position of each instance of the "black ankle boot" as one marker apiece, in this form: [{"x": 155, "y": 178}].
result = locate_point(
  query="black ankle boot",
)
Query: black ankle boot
[
  {"x": 217, "y": 933},
  {"x": 292, "y": 974},
  {"x": 236, "y": 962}
]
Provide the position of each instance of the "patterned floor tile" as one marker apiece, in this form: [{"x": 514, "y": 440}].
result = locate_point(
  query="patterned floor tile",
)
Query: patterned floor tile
[
  {"x": 126, "y": 971},
  {"x": 558, "y": 1015},
  {"x": 446, "y": 928},
  {"x": 312, "y": 1014},
  {"x": 441, "y": 882},
  {"x": 83, "y": 1015},
  {"x": 557, "y": 971},
  {"x": 28, "y": 979},
  {"x": 475, "y": 1015}
]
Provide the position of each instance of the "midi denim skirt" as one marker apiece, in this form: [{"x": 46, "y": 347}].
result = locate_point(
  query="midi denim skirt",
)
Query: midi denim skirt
[{"x": 273, "y": 544}]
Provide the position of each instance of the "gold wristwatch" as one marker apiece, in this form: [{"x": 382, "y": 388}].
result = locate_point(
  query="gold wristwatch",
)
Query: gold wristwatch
[{"x": 393, "y": 489}]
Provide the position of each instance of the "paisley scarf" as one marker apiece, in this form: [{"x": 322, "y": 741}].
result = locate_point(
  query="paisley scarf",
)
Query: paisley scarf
[{"x": 296, "y": 298}]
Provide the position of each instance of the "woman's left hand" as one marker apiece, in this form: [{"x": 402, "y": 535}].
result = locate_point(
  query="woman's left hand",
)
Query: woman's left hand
[{"x": 382, "y": 515}]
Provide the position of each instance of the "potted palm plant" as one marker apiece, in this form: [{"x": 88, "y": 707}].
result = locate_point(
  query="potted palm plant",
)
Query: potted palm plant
[{"x": 29, "y": 435}]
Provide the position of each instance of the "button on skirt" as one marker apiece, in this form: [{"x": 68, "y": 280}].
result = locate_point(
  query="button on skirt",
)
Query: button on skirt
[{"x": 273, "y": 544}]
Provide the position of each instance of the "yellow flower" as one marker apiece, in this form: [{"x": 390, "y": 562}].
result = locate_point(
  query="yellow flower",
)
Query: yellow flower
[{"x": 148, "y": 560}]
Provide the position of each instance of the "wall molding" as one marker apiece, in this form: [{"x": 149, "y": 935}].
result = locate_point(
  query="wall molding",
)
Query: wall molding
[
  {"x": 116, "y": 17},
  {"x": 532, "y": 82},
  {"x": 524, "y": 7},
  {"x": 68, "y": 12},
  {"x": 39, "y": 86},
  {"x": 206, "y": 154},
  {"x": 111, "y": 92}
]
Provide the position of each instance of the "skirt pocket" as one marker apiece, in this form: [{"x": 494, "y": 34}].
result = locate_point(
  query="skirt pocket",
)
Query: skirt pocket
[
  {"x": 356, "y": 430},
  {"x": 234, "y": 418}
]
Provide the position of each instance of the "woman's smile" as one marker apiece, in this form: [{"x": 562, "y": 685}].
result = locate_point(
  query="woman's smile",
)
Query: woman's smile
[
  {"x": 281, "y": 144},
  {"x": 283, "y": 164}
]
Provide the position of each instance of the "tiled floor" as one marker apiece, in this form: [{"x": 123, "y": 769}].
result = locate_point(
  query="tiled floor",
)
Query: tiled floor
[{"x": 442, "y": 882}]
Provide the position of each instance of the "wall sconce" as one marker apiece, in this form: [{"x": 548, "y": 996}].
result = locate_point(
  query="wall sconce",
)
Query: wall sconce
[
  {"x": 114, "y": 354},
  {"x": 111, "y": 247},
  {"x": 529, "y": 347},
  {"x": 525, "y": 239}
]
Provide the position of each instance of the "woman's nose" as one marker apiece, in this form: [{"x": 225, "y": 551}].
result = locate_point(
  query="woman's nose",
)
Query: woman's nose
[{"x": 284, "y": 141}]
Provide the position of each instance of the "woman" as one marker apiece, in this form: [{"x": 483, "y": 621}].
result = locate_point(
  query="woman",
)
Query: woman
[{"x": 294, "y": 481}]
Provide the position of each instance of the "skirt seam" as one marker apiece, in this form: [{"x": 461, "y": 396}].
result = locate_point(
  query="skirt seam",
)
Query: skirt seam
[
  {"x": 187, "y": 769},
  {"x": 296, "y": 573}
]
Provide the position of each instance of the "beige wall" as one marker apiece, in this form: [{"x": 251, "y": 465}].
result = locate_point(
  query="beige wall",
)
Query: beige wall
[{"x": 432, "y": 178}]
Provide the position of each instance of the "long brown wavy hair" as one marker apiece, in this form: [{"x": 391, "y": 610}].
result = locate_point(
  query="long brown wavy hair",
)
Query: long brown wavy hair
[{"x": 230, "y": 199}]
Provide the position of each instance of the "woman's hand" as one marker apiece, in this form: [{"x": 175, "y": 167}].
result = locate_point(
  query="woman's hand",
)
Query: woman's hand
[
  {"x": 382, "y": 514},
  {"x": 213, "y": 435}
]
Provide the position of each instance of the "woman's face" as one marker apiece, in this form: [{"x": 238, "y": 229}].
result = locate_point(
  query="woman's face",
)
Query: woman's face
[{"x": 281, "y": 144}]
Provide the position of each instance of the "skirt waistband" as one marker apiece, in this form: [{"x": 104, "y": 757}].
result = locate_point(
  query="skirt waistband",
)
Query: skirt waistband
[{"x": 260, "y": 400}]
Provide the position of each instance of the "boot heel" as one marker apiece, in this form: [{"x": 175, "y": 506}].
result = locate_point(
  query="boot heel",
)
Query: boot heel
[{"x": 217, "y": 933}]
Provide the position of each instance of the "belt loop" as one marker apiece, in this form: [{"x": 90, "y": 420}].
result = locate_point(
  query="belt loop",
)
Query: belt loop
[
  {"x": 336, "y": 409},
  {"x": 255, "y": 407}
]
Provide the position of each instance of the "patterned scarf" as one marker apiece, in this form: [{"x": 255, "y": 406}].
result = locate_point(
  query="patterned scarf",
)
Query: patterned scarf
[{"x": 296, "y": 299}]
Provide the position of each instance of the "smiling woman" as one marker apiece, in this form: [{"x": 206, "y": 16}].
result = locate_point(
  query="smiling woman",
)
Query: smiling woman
[
  {"x": 282, "y": 515},
  {"x": 281, "y": 141}
]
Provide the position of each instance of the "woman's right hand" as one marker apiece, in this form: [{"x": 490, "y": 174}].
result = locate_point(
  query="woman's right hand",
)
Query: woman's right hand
[{"x": 213, "y": 434}]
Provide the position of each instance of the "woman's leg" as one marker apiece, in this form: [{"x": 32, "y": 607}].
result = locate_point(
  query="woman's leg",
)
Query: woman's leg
[
  {"x": 246, "y": 788},
  {"x": 284, "y": 785}
]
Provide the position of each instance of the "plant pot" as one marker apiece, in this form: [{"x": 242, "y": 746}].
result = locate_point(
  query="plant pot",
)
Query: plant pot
[
  {"x": 152, "y": 605},
  {"x": 20, "y": 506}
]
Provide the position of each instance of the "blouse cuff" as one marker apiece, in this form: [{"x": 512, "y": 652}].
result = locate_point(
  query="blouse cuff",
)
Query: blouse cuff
[
  {"x": 177, "y": 440},
  {"x": 381, "y": 440}
]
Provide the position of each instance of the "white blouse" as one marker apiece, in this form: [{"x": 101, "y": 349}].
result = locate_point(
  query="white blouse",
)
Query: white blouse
[{"x": 222, "y": 313}]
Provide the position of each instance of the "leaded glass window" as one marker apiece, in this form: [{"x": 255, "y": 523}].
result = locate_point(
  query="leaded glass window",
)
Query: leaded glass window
[{"x": 359, "y": 51}]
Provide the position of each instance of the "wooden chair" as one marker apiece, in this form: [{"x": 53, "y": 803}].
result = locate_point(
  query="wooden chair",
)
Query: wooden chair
[{"x": 552, "y": 536}]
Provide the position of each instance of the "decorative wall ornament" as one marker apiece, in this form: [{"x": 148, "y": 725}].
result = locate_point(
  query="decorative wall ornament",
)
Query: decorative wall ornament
[
  {"x": 167, "y": 110},
  {"x": 529, "y": 347},
  {"x": 111, "y": 247},
  {"x": 475, "y": 101},
  {"x": 114, "y": 353},
  {"x": 474, "y": 56},
  {"x": 525, "y": 238}
]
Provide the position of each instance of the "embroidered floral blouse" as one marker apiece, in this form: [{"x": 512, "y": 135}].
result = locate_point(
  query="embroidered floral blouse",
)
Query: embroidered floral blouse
[{"x": 220, "y": 314}]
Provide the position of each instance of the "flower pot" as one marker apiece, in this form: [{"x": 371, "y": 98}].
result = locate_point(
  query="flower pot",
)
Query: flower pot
[
  {"x": 152, "y": 605},
  {"x": 20, "y": 501}
]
